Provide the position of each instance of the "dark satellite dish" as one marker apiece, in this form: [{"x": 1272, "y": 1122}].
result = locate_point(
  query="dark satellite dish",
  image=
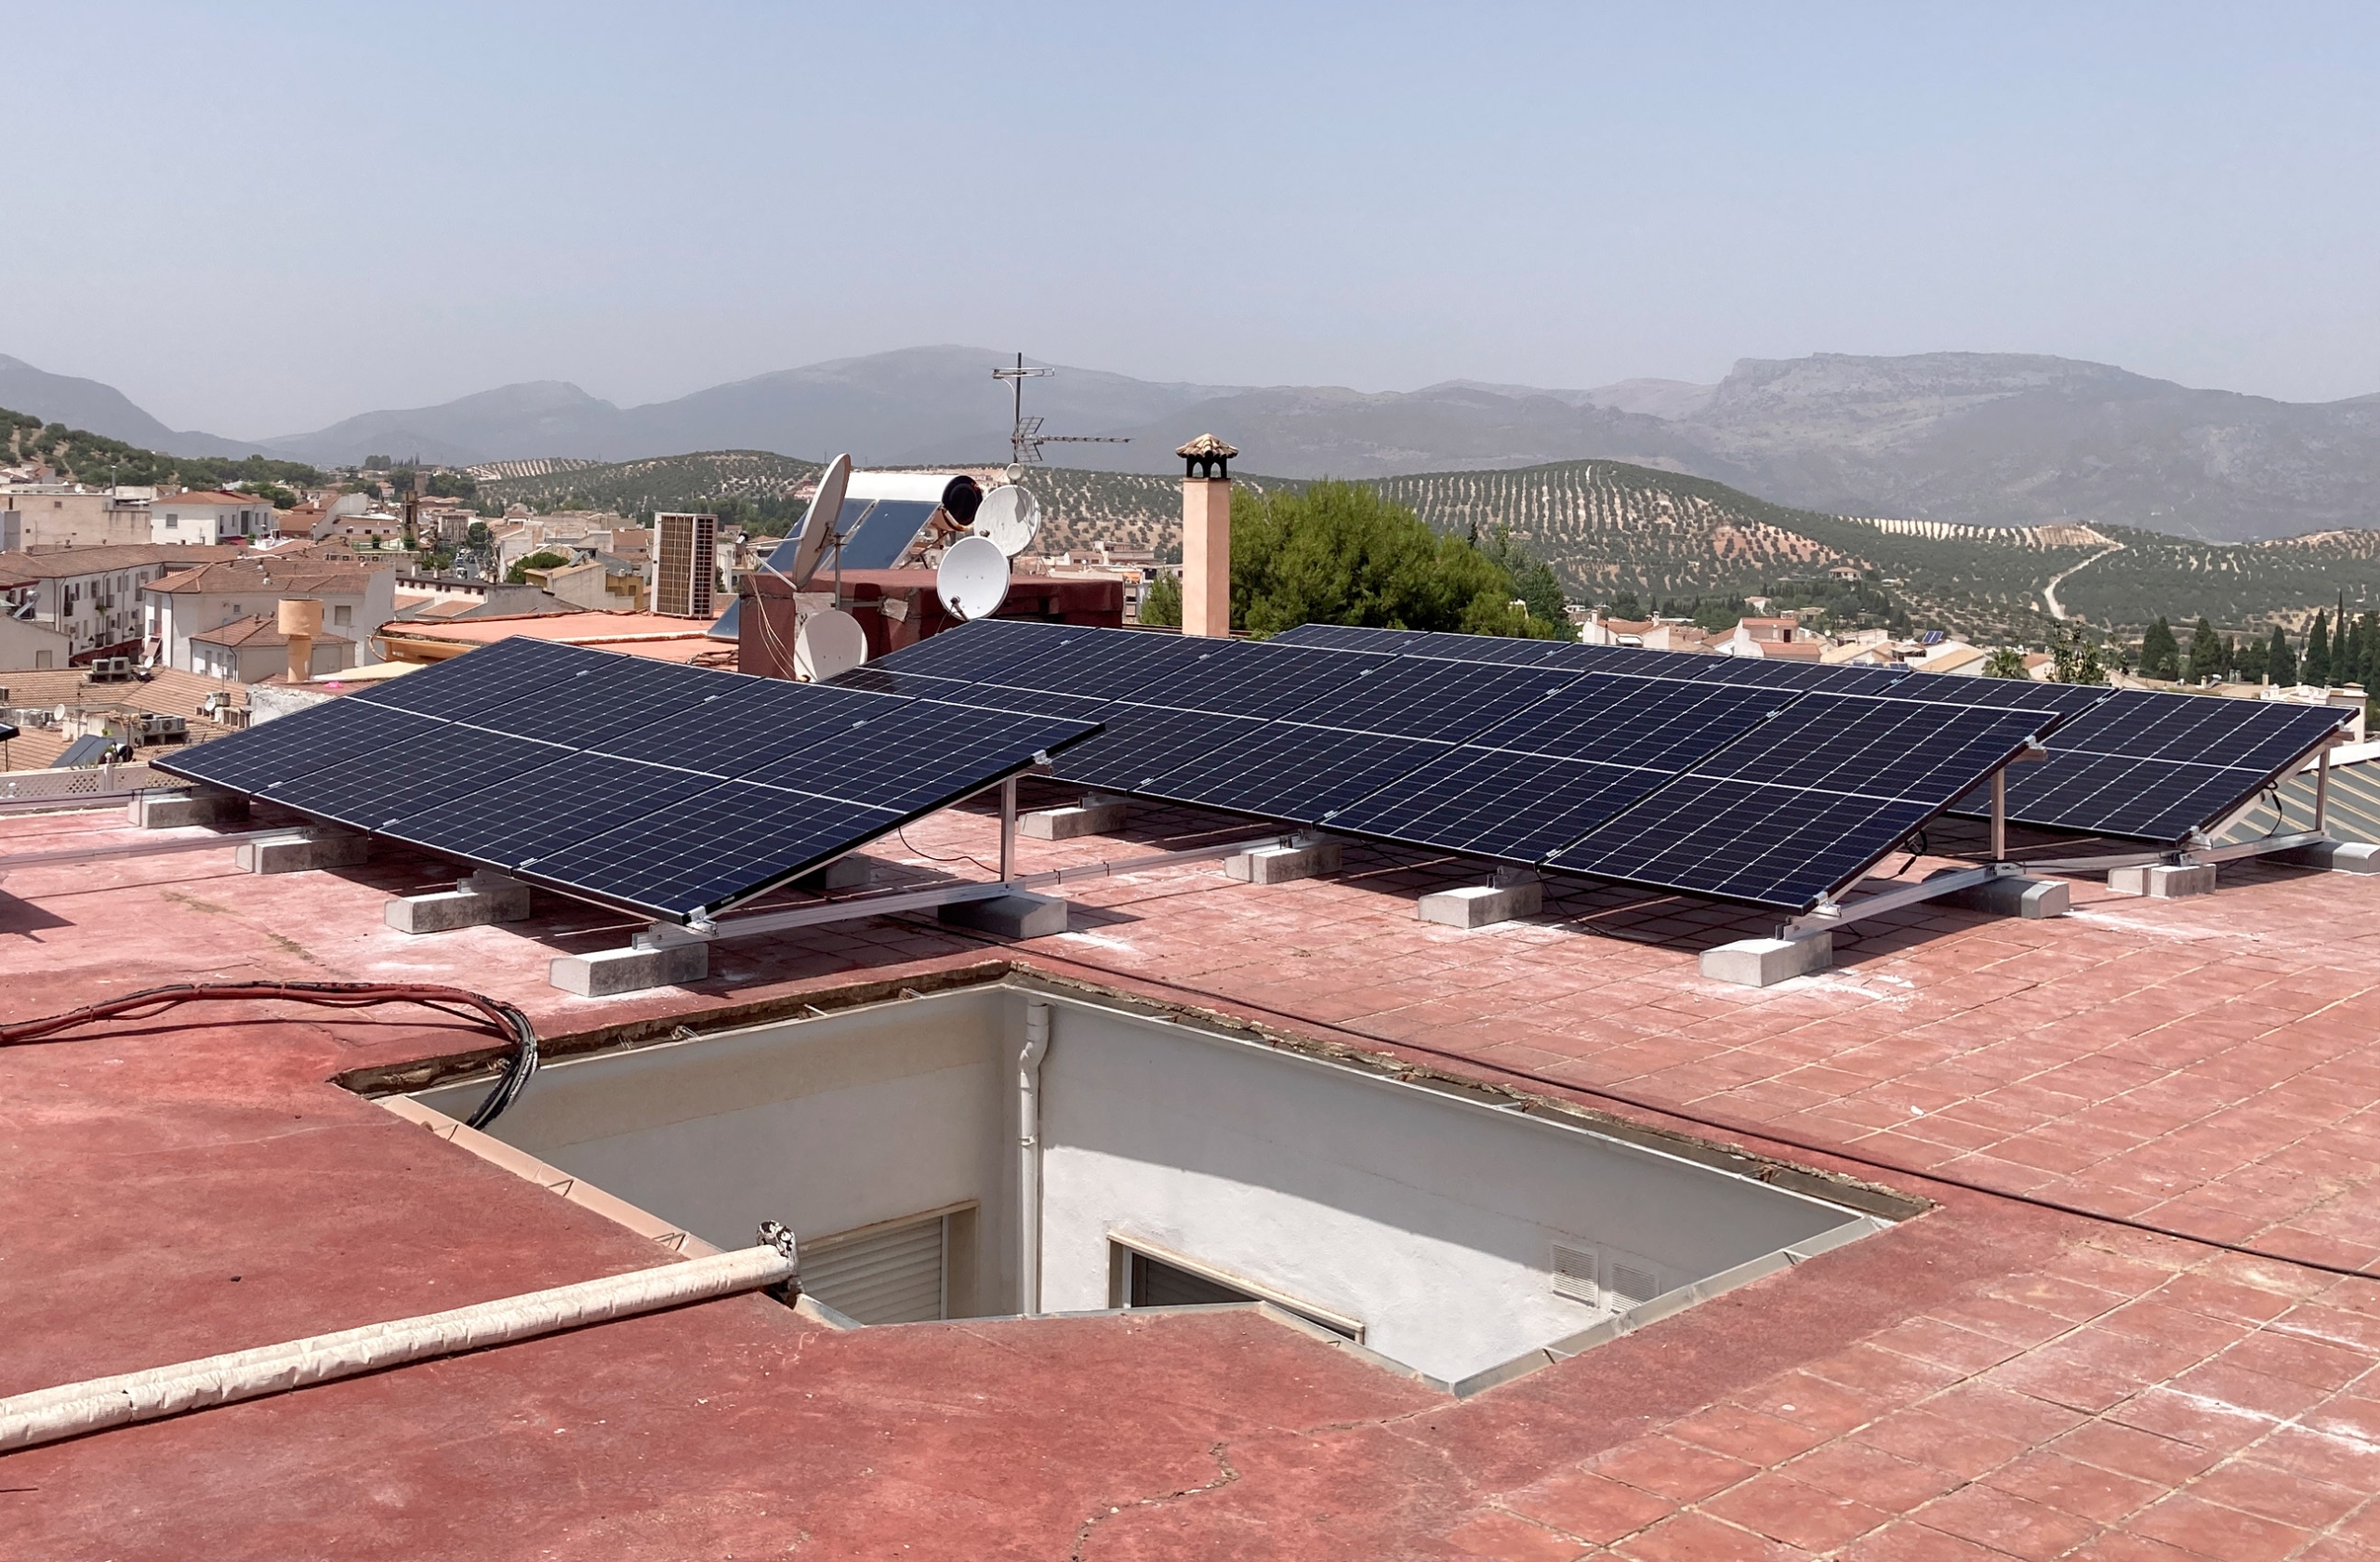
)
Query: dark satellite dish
[{"x": 962, "y": 498}]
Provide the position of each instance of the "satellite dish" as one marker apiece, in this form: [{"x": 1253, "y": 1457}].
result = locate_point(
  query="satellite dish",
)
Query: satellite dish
[
  {"x": 972, "y": 581},
  {"x": 1014, "y": 473},
  {"x": 826, "y": 514},
  {"x": 1011, "y": 517},
  {"x": 827, "y": 646}
]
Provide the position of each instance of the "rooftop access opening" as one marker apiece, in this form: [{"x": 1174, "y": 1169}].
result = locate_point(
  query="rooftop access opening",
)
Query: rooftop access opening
[{"x": 1016, "y": 1146}]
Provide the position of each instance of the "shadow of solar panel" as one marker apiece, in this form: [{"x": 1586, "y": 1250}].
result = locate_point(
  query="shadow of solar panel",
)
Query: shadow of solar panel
[
  {"x": 1291, "y": 772},
  {"x": 695, "y": 856},
  {"x": 918, "y": 757},
  {"x": 1513, "y": 807},
  {"x": 330, "y": 736},
  {"x": 1245, "y": 678},
  {"x": 1773, "y": 846},
  {"x": 540, "y": 811},
  {"x": 1419, "y": 696},
  {"x": 1142, "y": 742},
  {"x": 367, "y": 789}
]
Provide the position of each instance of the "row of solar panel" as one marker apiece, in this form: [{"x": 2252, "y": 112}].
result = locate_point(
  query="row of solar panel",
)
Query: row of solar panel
[
  {"x": 1752, "y": 791},
  {"x": 669, "y": 788},
  {"x": 2132, "y": 763}
]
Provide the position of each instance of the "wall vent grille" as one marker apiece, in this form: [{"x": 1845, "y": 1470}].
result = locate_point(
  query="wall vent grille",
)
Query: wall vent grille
[
  {"x": 1631, "y": 1286},
  {"x": 1574, "y": 1274}
]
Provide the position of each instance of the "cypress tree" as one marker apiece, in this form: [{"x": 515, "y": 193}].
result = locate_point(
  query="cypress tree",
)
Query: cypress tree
[
  {"x": 2206, "y": 652},
  {"x": 2249, "y": 666},
  {"x": 2317, "y": 665},
  {"x": 2346, "y": 666},
  {"x": 2280, "y": 662},
  {"x": 2161, "y": 653},
  {"x": 2370, "y": 662}
]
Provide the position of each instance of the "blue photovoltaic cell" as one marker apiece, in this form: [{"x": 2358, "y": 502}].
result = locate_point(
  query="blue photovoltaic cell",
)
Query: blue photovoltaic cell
[
  {"x": 877, "y": 678},
  {"x": 2157, "y": 767},
  {"x": 1112, "y": 664},
  {"x": 975, "y": 653},
  {"x": 1801, "y": 805},
  {"x": 2066, "y": 699},
  {"x": 730, "y": 841},
  {"x": 625, "y": 793},
  {"x": 1142, "y": 742},
  {"x": 1291, "y": 772},
  {"x": 1243, "y": 678},
  {"x": 1416, "y": 696}
]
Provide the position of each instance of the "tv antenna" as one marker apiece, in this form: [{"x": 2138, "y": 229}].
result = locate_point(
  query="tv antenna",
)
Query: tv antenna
[{"x": 1026, "y": 440}]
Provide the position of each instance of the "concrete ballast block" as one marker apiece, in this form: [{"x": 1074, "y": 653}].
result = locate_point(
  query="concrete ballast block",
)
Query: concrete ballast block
[
  {"x": 302, "y": 850},
  {"x": 608, "y": 973},
  {"x": 2014, "y": 896},
  {"x": 1010, "y": 916},
  {"x": 1764, "y": 962},
  {"x": 843, "y": 873},
  {"x": 1278, "y": 864},
  {"x": 198, "y": 805},
  {"x": 2163, "y": 880},
  {"x": 479, "y": 900},
  {"x": 1065, "y": 824},
  {"x": 2339, "y": 856},
  {"x": 1476, "y": 906}
]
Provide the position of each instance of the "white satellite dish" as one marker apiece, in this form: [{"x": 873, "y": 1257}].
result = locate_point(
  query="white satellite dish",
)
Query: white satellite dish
[
  {"x": 827, "y": 646},
  {"x": 972, "y": 581},
  {"x": 818, "y": 526},
  {"x": 1011, "y": 517},
  {"x": 1014, "y": 473}
]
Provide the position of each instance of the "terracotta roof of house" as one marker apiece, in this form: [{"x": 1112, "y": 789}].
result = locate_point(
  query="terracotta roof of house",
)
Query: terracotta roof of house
[
  {"x": 285, "y": 575},
  {"x": 202, "y": 496},
  {"x": 61, "y": 564},
  {"x": 2068, "y": 1357},
  {"x": 260, "y": 629}
]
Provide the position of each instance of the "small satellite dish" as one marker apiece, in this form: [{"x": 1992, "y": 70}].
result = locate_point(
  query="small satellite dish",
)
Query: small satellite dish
[
  {"x": 827, "y": 646},
  {"x": 1015, "y": 473},
  {"x": 972, "y": 581},
  {"x": 826, "y": 514},
  {"x": 1011, "y": 517}
]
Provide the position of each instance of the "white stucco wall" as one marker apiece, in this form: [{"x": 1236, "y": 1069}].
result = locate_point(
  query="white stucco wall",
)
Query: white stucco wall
[{"x": 826, "y": 1125}]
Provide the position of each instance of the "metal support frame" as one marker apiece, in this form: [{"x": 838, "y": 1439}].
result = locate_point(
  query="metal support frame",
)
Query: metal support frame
[
  {"x": 662, "y": 935},
  {"x": 1008, "y": 828},
  {"x": 134, "y": 849},
  {"x": 2200, "y": 849},
  {"x": 1827, "y": 918}
]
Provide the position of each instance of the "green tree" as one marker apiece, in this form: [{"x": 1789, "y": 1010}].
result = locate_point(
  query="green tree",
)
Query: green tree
[
  {"x": 2316, "y": 668},
  {"x": 2206, "y": 652},
  {"x": 545, "y": 558},
  {"x": 2280, "y": 662},
  {"x": 2077, "y": 658},
  {"x": 1534, "y": 582},
  {"x": 2249, "y": 664},
  {"x": 2161, "y": 653},
  {"x": 1161, "y": 604},
  {"x": 478, "y": 535},
  {"x": 2006, "y": 662},
  {"x": 1341, "y": 553}
]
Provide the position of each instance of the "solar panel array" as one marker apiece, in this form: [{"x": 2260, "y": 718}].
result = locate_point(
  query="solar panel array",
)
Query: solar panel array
[
  {"x": 670, "y": 789},
  {"x": 1529, "y": 752}
]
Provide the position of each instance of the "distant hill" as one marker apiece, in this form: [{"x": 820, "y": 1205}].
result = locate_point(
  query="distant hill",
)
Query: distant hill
[
  {"x": 1974, "y": 438},
  {"x": 1612, "y": 527},
  {"x": 102, "y": 409}
]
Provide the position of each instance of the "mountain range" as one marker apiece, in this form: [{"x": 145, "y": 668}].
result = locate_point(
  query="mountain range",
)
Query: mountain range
[{"x": 1983, "y": 439}]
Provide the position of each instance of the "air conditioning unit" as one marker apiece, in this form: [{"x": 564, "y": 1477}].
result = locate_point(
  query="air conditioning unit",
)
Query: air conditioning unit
[
  {"x": 111, "y": 669},
  {"x": 157, "y": 728}
]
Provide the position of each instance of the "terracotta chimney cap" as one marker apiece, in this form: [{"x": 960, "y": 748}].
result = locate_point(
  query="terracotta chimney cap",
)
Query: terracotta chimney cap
[{"x": 1207, "y": 446}]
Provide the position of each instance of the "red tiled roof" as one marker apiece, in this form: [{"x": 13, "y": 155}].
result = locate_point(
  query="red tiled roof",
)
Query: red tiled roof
[
  {"x": 1998, "y": 1378},
  {"x": 260, "y": 628},
  {"x": 271, "y": 573}
]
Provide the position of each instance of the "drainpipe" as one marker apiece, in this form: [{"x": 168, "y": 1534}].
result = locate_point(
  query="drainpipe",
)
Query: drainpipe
[{"x": 1028, "y": 1156}]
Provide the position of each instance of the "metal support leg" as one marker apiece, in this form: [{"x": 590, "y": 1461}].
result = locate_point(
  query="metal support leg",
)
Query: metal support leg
[
  {"x": 1008, "y": 829},
  {"x": 2322, "y": 792},
  {"x": 2000, "y": 814}
]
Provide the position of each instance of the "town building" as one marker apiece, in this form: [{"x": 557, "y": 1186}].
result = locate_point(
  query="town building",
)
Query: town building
[
  {"x": 253, "y": 649},
  {"x": 357, "y": 598},
  {"x": 208, "y": 517},
  {"x": 86, "y": 599},
  {"x": 69, "y": 515}
]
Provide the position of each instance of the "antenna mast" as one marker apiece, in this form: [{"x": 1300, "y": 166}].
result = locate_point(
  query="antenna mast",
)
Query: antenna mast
[{"x": 1026, "y": 438}]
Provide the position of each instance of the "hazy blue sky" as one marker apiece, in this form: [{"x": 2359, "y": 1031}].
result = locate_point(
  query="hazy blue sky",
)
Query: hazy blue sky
[{"x": 257, "y": 218}]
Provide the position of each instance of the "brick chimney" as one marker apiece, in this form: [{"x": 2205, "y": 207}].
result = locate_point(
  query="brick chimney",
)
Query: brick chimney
[{"x": 1206, "y": 536}]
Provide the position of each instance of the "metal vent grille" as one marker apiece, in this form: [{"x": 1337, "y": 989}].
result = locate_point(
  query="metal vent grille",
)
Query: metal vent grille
[
  {"x": 1574, "y": 1274},
  {"x": 1631, "y": 1285}
]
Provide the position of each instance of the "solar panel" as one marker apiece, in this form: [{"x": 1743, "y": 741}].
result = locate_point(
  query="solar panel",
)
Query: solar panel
[
  {"x": 1142, "y": 742},
  {"x": 1801, "y": 805},
  {"x": 2157, "y": 767},
  {"x": 670, "y": 789},
  {"x": 2068, "y": 699},
  {"x": 1541, "y": 779},
  {"x": 1244, "y": 678},
  {"x": 885, "y": 531},
  {"x": 877, "y": 678},
  {"x": 1114, "y": 663},
  {"x": 1289, "y": 771},
  {"x": 975, "y": 652},
  {"x": 1344, "y": 637},
  {"x": 1414, "y": 696}
]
